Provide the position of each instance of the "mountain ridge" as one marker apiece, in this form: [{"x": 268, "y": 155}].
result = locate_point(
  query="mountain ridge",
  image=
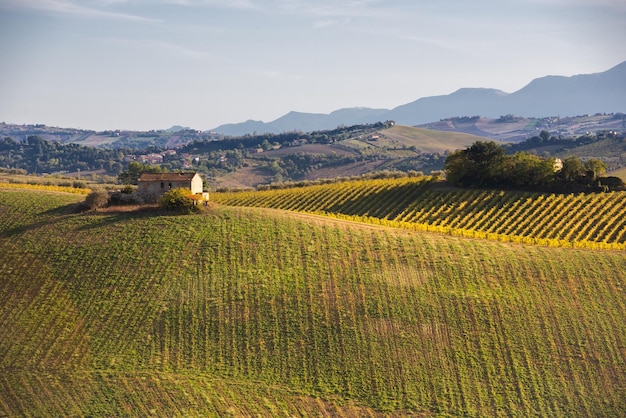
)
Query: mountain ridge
[{"x": 551, "y": 95}]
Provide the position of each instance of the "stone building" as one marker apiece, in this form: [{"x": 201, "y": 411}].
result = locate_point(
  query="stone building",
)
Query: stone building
[{"x": 156, "y": 184}]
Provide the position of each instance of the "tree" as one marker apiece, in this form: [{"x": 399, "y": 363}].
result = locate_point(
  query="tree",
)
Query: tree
[
  {"x": 266, "y": 145},
  {"x": 544, "y": 135},
  {"x": 135, "y": 170},
  {"x": 527, "y": 171},
  {"x": 572, "y": 171},
  {"x": 457, "y": 167},
  {"x": 479, "y": 165},
  {"x": 595, "y": 168}
]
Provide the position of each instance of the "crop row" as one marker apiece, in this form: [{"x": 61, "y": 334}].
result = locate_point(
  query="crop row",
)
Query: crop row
[
  {"x": 395, "y": 321},
  {"x": 45, "y": 187},
  {"x": 573, "y": 220}
]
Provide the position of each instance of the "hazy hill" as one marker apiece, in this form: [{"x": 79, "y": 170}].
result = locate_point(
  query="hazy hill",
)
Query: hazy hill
[
  {"x": 306, "y": 122},
  {"x": 463, "y": 102},
  {"x": 515, "y": 129},
  {"x": 570, "y": 96},
  {"x": 603, "y": 92}
]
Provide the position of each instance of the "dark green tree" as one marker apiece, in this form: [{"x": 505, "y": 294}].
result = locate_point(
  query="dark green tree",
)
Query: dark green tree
[
  {"x": 479, "y": 165},
  {"x": 135, "y": 170},
  {"x": 572, "y": 172},
  {"x": 526, "y": 171},
  {"x": 594, "y": 168}
]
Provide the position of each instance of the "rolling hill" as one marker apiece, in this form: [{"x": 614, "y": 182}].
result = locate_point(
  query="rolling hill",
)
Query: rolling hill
[
  {"x": 257, "y": 312},
  {"x": 386, "y": 149},
  {"x": 543, "y": 97},
  {"x": 428, "y": 140}
]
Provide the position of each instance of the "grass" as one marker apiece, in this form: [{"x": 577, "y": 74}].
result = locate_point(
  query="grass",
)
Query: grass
[
  {"x": 427, "y": 140},
  {"x": 252, "y": 312}
]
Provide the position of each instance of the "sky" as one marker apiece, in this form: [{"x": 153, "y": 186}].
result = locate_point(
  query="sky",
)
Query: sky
[{"x": 153, "y": 64}]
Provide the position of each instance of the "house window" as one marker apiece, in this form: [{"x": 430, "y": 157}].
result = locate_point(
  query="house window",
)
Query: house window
[
  {"x": 162, "y": 185},
  {"x": 170, "y": 185}
]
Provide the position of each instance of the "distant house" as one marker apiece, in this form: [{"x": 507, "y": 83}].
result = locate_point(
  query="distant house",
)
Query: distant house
[{"x": 159, "y": 183}]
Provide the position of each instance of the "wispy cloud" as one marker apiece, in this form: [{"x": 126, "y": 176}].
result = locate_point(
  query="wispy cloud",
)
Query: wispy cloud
[
  {"x": 272, "y": 74},
  {"x": 223, "y": 4},
  {"x": 158, "y": 46},
  {"x": 68, "y": 7},
  {"x": 328, "y": 8},
  {"x": 324, "y": 23},
  {"x": 610, "y": 5}
]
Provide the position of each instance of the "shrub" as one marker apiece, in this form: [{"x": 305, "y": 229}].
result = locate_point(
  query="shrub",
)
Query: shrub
[
  {"x": 121, "y": 198},
  {"x": 178, "y": 199},
  {"x": 99, "y": 198},
  {"x": 611, "y": 183}
]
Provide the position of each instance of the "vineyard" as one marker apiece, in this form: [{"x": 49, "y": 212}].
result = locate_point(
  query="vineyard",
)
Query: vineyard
[
  {"x": 595, "y": 221},
  {"x": 45, "y": 187},
  {"x": 254, "y": 312}
]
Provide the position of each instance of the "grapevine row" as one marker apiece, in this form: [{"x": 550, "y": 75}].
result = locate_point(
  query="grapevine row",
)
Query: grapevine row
[{"x": 570, "y": 220}]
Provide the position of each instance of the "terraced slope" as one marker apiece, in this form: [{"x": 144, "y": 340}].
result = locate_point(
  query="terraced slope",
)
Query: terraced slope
[{"x": 248, "y": 312}]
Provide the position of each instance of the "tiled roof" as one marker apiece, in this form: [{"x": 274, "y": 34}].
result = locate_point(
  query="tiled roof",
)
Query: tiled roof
[{"x": 166, "y": 176}]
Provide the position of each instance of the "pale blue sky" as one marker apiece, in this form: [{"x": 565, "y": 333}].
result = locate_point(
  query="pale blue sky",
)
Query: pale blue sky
[{"x": 151, "y": 64}]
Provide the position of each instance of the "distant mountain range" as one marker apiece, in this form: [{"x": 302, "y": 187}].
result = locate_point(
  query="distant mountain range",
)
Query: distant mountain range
[{"x": 546, "y": 96}]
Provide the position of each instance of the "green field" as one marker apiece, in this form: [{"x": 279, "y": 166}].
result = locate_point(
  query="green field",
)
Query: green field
[
  {"x": 256, "y": 312},
  {"x": 426, "y": 140}
]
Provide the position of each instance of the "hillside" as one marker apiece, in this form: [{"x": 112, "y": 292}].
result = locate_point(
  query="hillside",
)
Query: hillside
[
  {"x": 429, "y": 141},
  {"x": 509, "y": 128},
  {"x": 251, "y": 312},
  {"x": 395, "y": 148},
  {"x": 543, "y": 97},
  {"x": 250, "y": 161}
]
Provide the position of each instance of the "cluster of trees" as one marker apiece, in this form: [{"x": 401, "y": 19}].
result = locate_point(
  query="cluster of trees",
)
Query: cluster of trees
[
  {"x": 557, "y": 143},
  {"x": 294, "y": 167},
  {"x": 485, "y": 164},
  {"x": 282, "y": 139},
  {"x": 37, "y": 155},
  {"x": 136, "y": 169}
]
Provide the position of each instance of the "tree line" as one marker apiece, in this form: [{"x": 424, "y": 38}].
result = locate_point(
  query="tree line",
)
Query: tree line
[
  {"x": 486, "y": 165},
  {"x": 37, "y": 155}
]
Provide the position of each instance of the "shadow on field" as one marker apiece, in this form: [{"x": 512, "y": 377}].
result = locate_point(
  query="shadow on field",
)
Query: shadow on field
[
  {"x": 48, "y": 215},
  {"x": 117, "y": 214},
  {"x": 108, "y": 216}
]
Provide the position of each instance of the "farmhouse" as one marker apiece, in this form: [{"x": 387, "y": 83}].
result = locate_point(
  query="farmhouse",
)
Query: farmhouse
[{"x": 159, "y": 183}]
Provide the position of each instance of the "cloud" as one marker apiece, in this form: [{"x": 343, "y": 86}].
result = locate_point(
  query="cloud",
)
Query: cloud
[
  {"x": 336, "y": 8},
  {"x": 579, "y": 2},
  {"x": 324, "y": 23},
  {"x": 272, "y": 74},
  {"x": 223, "y": 4},
  {"x": 158, "y": 46},
  {"x": 68, "y": 7},
  {"x": 610, "y": 5}
]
